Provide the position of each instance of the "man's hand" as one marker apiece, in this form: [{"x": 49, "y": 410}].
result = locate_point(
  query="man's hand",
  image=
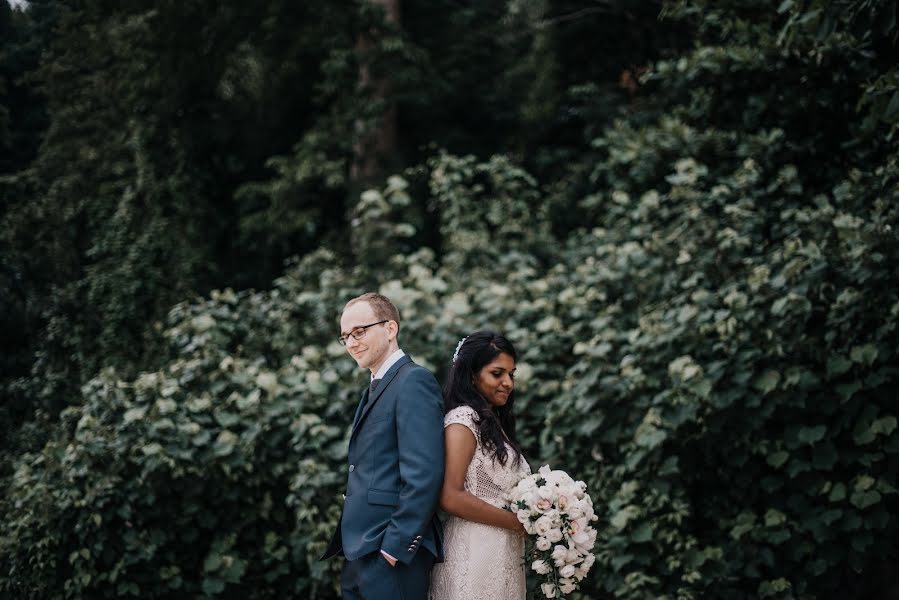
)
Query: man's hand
[{"x": 388, "y": 558}]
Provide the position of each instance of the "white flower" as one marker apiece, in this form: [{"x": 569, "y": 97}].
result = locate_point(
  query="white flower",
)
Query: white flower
[
  {"x": 532, "y": 497},
  {"x": 557, "y": 515},
  {"x": 582, "y": 540},
  {"x": 543, "y": 525},
  {"x": 541, "y": 567},
  {"x": 587, "y": 508},
  {"x": 560, "y": 555},
  {"x": 581, "y": 487},
  {"x": 577, "y": 526},
  {"x": 576, "y": 509},
  {"x": 591, "y": 538},
  {"x": 553, "y": 535},
  {"x": 268, "y": 381},
  {"x": 526, "y": 485},
  {"x": 547, "y": 492}
]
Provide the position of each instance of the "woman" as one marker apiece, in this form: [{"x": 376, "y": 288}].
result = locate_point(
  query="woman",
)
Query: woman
[{"x": 483, "y": 543}]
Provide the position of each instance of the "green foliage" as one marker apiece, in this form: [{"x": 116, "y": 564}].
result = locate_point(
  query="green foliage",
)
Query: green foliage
[
  {"x": 725, "y": 395},
  {"x": 705, "y": 304},
  {"x": 188, "y": 481},
  {"x": 128, "y": 206}
]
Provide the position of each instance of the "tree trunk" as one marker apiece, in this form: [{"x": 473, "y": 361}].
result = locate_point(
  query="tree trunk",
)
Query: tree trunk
[{"x": 376, "y": 143}]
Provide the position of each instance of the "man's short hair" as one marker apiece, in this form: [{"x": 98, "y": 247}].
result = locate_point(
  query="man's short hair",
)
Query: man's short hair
[{"x": 383, "y": 308}]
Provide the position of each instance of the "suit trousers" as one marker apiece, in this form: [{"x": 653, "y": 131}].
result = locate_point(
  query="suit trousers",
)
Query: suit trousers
[{"x": 371, "y": 577}]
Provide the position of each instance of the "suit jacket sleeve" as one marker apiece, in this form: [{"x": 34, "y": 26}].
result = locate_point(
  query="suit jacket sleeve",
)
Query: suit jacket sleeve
[{"x": 419, "y": 424}]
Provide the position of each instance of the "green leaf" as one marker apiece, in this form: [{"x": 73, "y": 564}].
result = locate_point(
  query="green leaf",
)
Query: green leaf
[
  {"x": 864, "y": 482},
  {"x": 892, "y": 109},
  {"x": 650, "y": 437},
  {"x": 848, "y": 390},
  {"x": 135, "y": 414},
  {"x": 213, "y": 586},
  {"x": 642, "y": 533},
  {"x": 669, "y": 467},
  {"x": 829, "y": 516},
  {"x": 745, "y": 522},
  {"x": 863, "y": 434},
  {"x": 864, "y": 499},
  {"x": 785, "y": 6},
  {"x": 620, "y": 519},
  {"x": 777, "y": 459},
  {"x": 837, "y": 364},
  {"x": 767, "y": 381},
  {"x": 774, "y": 517},
  {"x": 224, "y": 443},
  {"x": 234, "y": 569},
  {"x": 702, "y": 388},
  {"x": 810, "y": 435},
  {"x": 773, "y": 587},
  {"x": 227, "y": 419},
  {"x": 213, "y": 562},
  {"x": 865, "y": 354},
  {"x": 837, "y": 493},
  {"x": 620, "y": 560},
  {"x": 778, "y": 536},
  {"x": 884, "y": 425}
]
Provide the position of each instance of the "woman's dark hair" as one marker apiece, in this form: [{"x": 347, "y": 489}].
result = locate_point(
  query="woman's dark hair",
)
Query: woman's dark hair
[{"x": 478, "y": 350}]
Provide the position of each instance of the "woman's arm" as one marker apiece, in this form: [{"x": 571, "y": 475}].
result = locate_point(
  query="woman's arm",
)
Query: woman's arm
[{"x": 460, "y": 448}]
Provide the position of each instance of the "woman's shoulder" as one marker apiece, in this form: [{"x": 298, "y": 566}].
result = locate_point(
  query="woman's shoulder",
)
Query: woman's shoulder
[{"x": 463, "y": 415}]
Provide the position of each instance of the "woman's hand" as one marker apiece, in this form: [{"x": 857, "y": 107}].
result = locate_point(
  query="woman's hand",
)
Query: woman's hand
[{"x": 518, "y": 528}]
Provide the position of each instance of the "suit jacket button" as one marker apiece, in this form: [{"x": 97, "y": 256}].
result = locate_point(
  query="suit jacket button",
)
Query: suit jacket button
[
  {"x": 411, "y": 550},
  {"x": 352, "y": 468},
  {"x": 417, "y": 537}
]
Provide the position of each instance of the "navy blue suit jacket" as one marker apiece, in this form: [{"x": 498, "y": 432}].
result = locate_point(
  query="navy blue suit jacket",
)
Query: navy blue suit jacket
[{"x": 395, "y": 469}]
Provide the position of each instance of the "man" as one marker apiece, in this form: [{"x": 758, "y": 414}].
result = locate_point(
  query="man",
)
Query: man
[{"x": 388, "y": 530}]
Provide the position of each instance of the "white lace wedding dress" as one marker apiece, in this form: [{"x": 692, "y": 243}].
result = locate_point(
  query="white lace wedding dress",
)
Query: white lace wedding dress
[{"x": 482, "y": 562}]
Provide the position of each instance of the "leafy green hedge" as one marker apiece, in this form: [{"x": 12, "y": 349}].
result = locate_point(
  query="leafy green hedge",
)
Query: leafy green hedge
[{"x": 713, "y": 349}]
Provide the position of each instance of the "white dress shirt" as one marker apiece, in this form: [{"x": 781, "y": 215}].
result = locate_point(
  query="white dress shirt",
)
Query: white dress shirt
[{"x": 391, "y": 360}]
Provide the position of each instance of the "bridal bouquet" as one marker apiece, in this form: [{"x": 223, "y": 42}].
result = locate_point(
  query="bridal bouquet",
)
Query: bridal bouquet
[{"x": 556, "y": 511}]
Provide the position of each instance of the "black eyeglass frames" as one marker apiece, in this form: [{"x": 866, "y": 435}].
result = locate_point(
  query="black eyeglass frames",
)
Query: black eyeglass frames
[{"x": 358, "y": 332}]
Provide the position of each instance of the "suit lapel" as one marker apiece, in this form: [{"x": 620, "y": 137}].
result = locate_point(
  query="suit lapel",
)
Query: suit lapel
[
  {"x": 362, "y": 402},
  {"x": 382, "y": 387}
]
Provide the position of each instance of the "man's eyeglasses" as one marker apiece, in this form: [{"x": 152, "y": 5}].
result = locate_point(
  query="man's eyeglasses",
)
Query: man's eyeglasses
[{"x": 358, "y": 332}]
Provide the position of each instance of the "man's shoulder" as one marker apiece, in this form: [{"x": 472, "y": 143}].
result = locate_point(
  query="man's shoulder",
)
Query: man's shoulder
[
  {"x": 413, "y": 373},
  {"x": 414, "y": 370}
]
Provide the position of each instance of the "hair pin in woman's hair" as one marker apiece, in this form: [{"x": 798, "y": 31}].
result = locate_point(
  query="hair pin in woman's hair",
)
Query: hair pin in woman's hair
[{"x": 458, "y": 347}]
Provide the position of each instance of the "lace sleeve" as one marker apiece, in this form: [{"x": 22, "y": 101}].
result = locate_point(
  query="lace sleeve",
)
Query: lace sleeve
[{"x": 463, "y": 415}]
